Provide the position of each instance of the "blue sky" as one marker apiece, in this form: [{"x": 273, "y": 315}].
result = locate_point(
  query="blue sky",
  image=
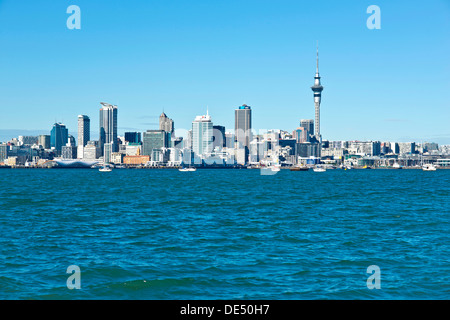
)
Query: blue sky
[{"x": 390, "y": 84}]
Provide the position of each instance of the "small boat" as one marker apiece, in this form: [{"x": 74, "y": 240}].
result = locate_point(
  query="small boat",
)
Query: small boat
[
  {"x": 299, "y": 169},
  {"x": 429, "y": 167},
  {"x": 187, "y": 169},
  {"x": 105, "y": 169},
  {"x": 275, "y": 168},
  {"x": 397, "y": 166},
  {"x": 319, "y": 169},
  {"x": 270, "y": 170}
]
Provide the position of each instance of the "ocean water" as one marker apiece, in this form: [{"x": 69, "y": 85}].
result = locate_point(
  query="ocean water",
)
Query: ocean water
[{"x": 224, "y": 234}]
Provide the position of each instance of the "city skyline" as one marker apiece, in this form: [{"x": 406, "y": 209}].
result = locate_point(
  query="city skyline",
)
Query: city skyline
[{"x": 378, "y": 82}]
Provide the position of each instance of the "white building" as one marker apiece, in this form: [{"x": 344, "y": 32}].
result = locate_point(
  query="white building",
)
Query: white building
[{"x": 202, "y": 135}]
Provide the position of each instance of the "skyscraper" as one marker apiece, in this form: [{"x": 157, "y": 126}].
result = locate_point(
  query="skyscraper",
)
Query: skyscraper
[
  {"x": 44, "y": 141},
  {"x": 308, "y": 125},
  {"x": 59, "y": 136},
  {"x": 165, "y": 123},
  {"x": 219, "y": 136},
  {"x": 133, "y": 137},
  {"x": 84, "y": 130},
  {"x": 243, "y": 128},
  {"x": 108, "y": 126},
  {"x": 154, "y": 140},
  {"x": 317, "y": 90},
  {"x": 243, "y": 125},
  {"x": 84, "y": 134},
  {"x": 3, "y": 152},
  {"x": 202, "y": 135}
]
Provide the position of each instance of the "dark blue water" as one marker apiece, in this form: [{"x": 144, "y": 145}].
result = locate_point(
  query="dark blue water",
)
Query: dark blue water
[{"x": 224, "y": 234}]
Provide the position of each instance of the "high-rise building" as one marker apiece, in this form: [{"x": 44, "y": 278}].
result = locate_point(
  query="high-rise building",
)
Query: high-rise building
[
  {"x": 243, "y": 126},
  {"x": 91, "y": 151},
  {"x": 44, "y": 141},
  {"x": 202, "y": 135},
  {"x": 308, "y": 125},
  {"x": 154, "y": 139},
  {"x": 108, "y": 126},
  {"x": 84, "y": 130},
  {"x": 133, "y": 137},
  {"x": 165, "y": 123},
  {"x": 84, "y": 134},
  {"x": 107, "y": 152},
  {"x": 58, "y": 136},
  {"x": 317, "y": 89},
  {"x": 3, "y": 152},
  {"x": 219, "y": 137},
  {"x": 69, "y": 152}
]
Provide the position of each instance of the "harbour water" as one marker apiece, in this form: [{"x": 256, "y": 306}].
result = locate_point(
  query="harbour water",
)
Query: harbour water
[{"x": 224, "y": 234}]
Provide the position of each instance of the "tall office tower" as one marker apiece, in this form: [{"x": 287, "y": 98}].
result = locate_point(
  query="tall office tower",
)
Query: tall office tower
[
  {"x": 133, "y": 137},
  {"x": 219, "y": 137},
  {"x": 317, "y": 89},
  {"x": 188, "y": 142},
  {"x": 59, "y": 137},
  {"x": 44, "y": 141},
  {"x": 84, "y": 130},
  {"x": 165, "y": 123},
  {"x": 243, "y": 126},
  {"x": 108, "y": 126},
  {"x": 308, "y": 124},
  {"x": 3, "y": 152},
  {"x": 202, "y": 135},
  {"x": 154, "y": 140}
]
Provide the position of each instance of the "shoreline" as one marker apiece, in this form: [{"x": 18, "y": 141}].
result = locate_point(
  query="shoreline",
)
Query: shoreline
[{"x": 206, "y": 167}]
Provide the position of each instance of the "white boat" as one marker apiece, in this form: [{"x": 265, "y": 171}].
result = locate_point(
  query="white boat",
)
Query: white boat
[
  {"x": 396, "y": 166},
  {"x": 105, "y": 169},
  {"x": 429, "y": 167},
  {"x": 275, "y": 168},
  {"x": 319, "y": 169},
  {"x": 187, "y": 169}
]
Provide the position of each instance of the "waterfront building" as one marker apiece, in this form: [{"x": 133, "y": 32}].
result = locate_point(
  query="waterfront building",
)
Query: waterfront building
[
  {"x": 44, "y": 141},
  {"x": 107, "y": 151},
  {"x": 69, "y": 152},
  {"x": 108, "y": 126},
  {"x": 154, "y": 139},
  {"x": 136, "y": 160},
  {"x": 3, "y": 152},
  {"x": 307, "y": 149},
  {"x": 12, "y": 161},
  {"x": 117, "y": 158},
  {"x": 133, "y": 149},
  {"x": 91, "y": 151},
  {"x": 202, "y": 135},
  {"x": 187, "y": 157},
  {"x": 58, "y": 137},
  {"x": 443, "y": 162}
]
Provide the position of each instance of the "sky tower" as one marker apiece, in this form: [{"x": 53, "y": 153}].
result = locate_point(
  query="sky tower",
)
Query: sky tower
[{"x": 317, "y": 89}]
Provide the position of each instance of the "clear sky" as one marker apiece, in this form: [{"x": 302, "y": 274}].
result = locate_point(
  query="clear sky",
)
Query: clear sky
[{"x": 390, "y": 84}]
